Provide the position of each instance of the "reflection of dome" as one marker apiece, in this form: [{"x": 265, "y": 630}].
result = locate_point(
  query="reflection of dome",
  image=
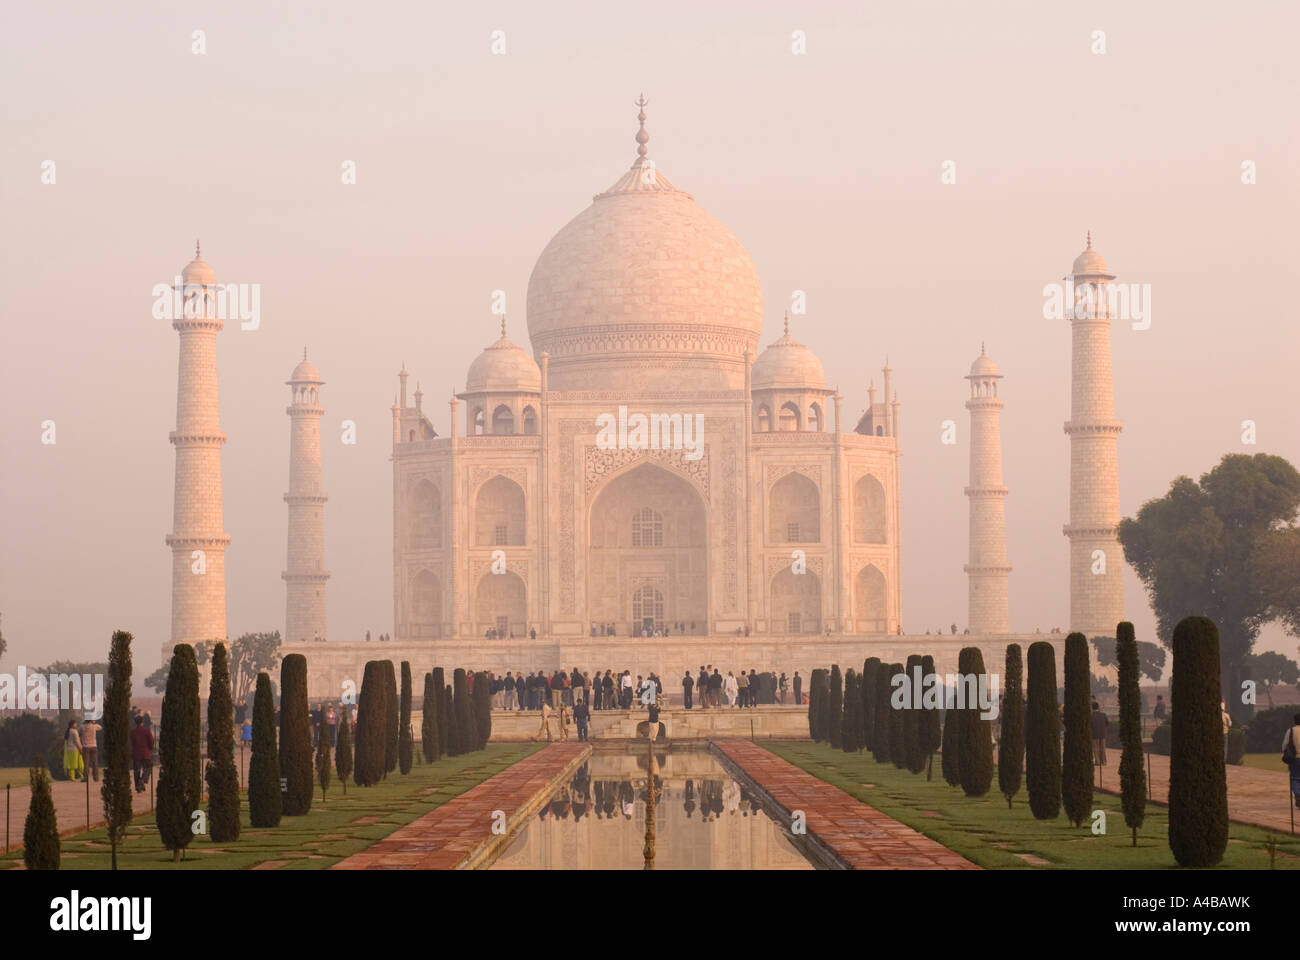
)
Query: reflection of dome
[
  {"x": 644, "y": 274},
  {"x": 197, "y": 271},
  {"x": 787, "y": 364},
  {"x": 503, "y": 367},
  {"x": 1089, "y": 263}
]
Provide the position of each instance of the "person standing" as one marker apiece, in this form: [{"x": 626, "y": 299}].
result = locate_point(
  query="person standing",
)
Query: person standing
[
  {"x": 332, "y": 722},
  {"x": 142, "y": 753},
  {"x": 626, "y": 691},
  {"x": 742, "y": 690},
  {"x": 1227, "y": 725},
  {"x": 798, "y": 688},
  {"x": 702, "y": 688},
  {"x": 730, "y": 688},
  {"x": 607, "y": 688},
  {"x": 521, "y": 691},
  {"x": 753, "y": 688},
  {"x": 1158, "y": 714},
  {"x": 781, "y": 686},
  {"x": 715, "y": 688},
  {"x": 73, "y": 764},
  {"x": 90, "y": 747},
  {"x": 1099, "y": 723},
  {"x": 1291, "y": 757},
  {"x": 581, "y": 717},
  {"x": 564, "y": 720},
  {"x": 546, "y": 722},
  {"x": 688, "y": 685}
]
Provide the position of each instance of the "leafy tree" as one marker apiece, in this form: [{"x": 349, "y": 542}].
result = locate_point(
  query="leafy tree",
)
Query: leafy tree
[
  {"x": 179, "y": 781},
  {"x": 1011, "y": 751},
  {"x": 897, "y": 746},
  {"x": 41, "y": 829},
  {"x": 24, "y": 736},
  {"x": 815, "y": 684},
  {"x": 323, "y": 760},
  {"x": 449, "y": 711},
  {"x": 343, "y": 749},
  {"x": 116, "y": 746},
  {"x": 157, "y": 681},
  {"x": 1198, "y": 785},
  {"x": 1270, "y": 669},
  {"x": 250, "y": 655},
  {"x": 852, "y": 703},
  {"x": 3, "y": 643},
  {"x": 974, "y": 733},
  {"x": 869, "y": 684},
  {"x": 265, "y": 803},
  {"x": 835, "y": 708},
  {"x": 1076, "y": 763},
  {"x": 1226, "y": 547},
  {"x": 405, "y": 741},
  {"x": 880, "y": 729},
  {"x": 443, "y": 714},
  {"x": 931, "y": 728},
  {"x": 371, "y": 724},
  {"x": 221, "y": 775},
  {"x": 1132, "y": 773},
  {"x": 913, "y": 721},
  {"x": 391, "y": 717},
  {"x": 465, "y": 727},
  {"x": 948, "y": 759},
  {"x": 429, "y": 721},
  {"x": 295, "y": 736},
  {"x": 1042, "y": 734},
  {"x": 1151, "y": 656},
  {"x": 483, "y": 709}
]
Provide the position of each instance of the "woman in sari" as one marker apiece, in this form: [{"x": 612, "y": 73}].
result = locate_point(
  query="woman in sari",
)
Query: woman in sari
[{"x": 72, "y": 762}]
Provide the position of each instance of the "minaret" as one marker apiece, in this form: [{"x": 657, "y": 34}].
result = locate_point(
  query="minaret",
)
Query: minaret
[
  {"x": 987, "y": 571},
  {"x": 197, "y": 540},
  {"x": 1096, "y": 559},
  {"x": 305, "y": 576}
]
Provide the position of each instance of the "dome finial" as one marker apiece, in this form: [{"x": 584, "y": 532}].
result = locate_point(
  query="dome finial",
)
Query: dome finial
[
  {"x": 304, "y": 353},
  {"x": 787, "y": 323},
  {"x": 642, "y": 138},
  {"x": 1089, "y": 247},
  {"x": 982, "y": 348},
  {"x": 196, "y": 250},
  {"x": 503, "y": 326}
]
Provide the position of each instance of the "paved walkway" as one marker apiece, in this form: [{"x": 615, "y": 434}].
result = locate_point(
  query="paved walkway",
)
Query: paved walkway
[
  {"x": 69, "y": 808},
  {"x": 860, "y": 835},
  {"x": 1255, "y": 797},
  {"x": 445, "y": 836}
]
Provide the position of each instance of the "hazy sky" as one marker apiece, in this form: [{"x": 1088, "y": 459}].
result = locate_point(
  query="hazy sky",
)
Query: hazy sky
[{"x": 825, "y": 165}]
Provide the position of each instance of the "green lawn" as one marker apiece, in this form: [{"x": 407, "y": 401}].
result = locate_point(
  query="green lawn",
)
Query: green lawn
[
  {"x": 338, "y": 828},
  {"x": 984, "y": 831},
  {"x": 14, "y": 776},
  {"x": 1272, "y": 762}
]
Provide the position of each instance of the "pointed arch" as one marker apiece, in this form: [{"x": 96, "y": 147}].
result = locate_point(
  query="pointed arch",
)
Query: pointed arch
[
  {"x": 870, "y": 600},
  {"x": 500, "y": 514},
  {"x": 796, "y": 602},
  {"x": 869, "y": 514},
  {"x": 794, "y": 510}
]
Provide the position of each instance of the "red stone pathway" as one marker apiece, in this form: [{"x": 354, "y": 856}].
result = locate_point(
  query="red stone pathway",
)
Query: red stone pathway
[
  {"x": 445, "y": 836},
  {"x": 861, "y": 836}
]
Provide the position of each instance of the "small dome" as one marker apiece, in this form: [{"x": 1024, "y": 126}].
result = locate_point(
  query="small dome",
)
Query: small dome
[
  {"x": 984, "y": 365},
  {"x": 197, "y": 271},
  {"x": 305, "y": 372},
  {"x": 1089, "y": 263},
  {"x": 787, "y": 364},
  {"x": 503, "y": 368}
]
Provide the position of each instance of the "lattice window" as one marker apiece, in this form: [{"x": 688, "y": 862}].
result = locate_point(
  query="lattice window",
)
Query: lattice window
[
  {"x": 792, "y": 622},
  {"x": 499, "y": 536},
  {"x": 792, "y": 532},
  {"x": 647, "y": 528}
]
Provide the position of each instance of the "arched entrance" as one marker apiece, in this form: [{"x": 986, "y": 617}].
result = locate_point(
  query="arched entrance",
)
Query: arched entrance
[
  {"x": 502, "y": 603},
  {"x": 796, "y": 602},
  {"x": 647, "y": 557}
]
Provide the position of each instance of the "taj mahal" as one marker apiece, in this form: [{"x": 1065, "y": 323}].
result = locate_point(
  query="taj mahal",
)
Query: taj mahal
[{"x": 731, "y": 517}]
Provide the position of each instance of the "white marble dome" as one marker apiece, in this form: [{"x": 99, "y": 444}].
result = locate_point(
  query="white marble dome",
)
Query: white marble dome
[
  {"x": 504, "y": 367},
  {"x": 984, "y": 366},
  {"x": 644, "y": 282},
  {"x": 1090, "y": 263},
  {"x": 787, "y": 364},
  {"x": 198, "y": 272},
  {"x": 305, "y": 372}
]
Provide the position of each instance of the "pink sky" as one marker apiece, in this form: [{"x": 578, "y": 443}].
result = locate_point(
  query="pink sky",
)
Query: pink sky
[{"x": 826, "y": 166}]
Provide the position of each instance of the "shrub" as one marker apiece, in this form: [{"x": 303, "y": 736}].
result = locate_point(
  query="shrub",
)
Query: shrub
[
  {"x": 265, "y": 802},
  {"x": 880, "y": 729},
  {"x": 482, "y": 709},
  {"x": 1076, "y": 762},
  {"x": 1162, "y": 739},
  {"x": 429, "y": 721},
  {"x": 931, "y": 726},
  {"x": 1132, "y": 765},
  {"x": 391, "y": 716},
  {"x": 221, "y": 775},
  {"x": 974, "y": 733},
  {"x": 1011, "y": 749},
  {"x": 405, "y": 739},
  {"x": 1198, "y": 786},
  {"x": 1042, "y": 733},
  {"x": 41, "y": 830},
  {"x": 868, "y": 683},
  {"x": 815, "y": 728},
  {"x": 465, "y": 726},
  {"x": 116, "y": 744},
  {"x": 852, "y": 703},
  {"x": 913, "y": 721},
  {"x": 948, "y": 756},
  {"x": 897, "y": 746},
  {"x": 343, "y": 749},
  {"x": 26, "y": 735},
  {"x": 449, "y": 711},
  {"x": 179, "y": 780},
  {"x": 443, "y": 714},
  {"x": 835, "y": 708},
  {"x": 1264, "y": 734},
  {"x": 1236, "y": 747},
  {"x": 295, "y": 737},
  {"x": 372, "y": 711}
]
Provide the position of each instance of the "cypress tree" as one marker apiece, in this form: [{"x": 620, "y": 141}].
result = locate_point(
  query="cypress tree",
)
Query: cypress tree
[
  {"x": 465, "y": 726},
  {"x": 1011, "y": 749},
  {"x": 449, "y": 711},
  {"x": 392, "y": 727},
  {"x": 913, "y": 719},
  {"x": 323, "y": 761},
  {"x": 429, "y": 721},
  {"x": 371, "y": 725},
  {"x": 868, "y": 683},
  {"x": 483, "y": 708},
  {"x": 295, "y": 737},
  {"x": 1076, "y": 761},
  {"x": 1042, "y": 733},
  {"x": 343, "y": 749},
  {"x": 974, "y": 732},
  {"x": 1132, "y": 775},
  {"x": 1198, "y": 787},
  {"x": 179, "y": 780},
  {"x": 441, "y": 712},
  {"x": 41, "y": 830},
  {"x": 931, "y": 728},
  {"x": 852, "y": 703},
  {"x": 897, "y": 743},
  {"x": 116, "y": 789},
  {"x": 880, "y": 735},
  {"x": 265, "y": 802},
  {"x": 835, "y": 709},
  {"x": 405, "y": 742},
  {"x": 814, "y": 709},
  {"x": 948, "y": 764},
  {"x": 221, "y": 775}
]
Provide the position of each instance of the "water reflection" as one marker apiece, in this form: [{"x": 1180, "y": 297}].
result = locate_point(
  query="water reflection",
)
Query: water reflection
[{"x": 703, "y": 819}]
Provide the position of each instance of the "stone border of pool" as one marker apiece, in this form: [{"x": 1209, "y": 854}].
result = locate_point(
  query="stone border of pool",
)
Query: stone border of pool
[{"x": 847, "y": 831}]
